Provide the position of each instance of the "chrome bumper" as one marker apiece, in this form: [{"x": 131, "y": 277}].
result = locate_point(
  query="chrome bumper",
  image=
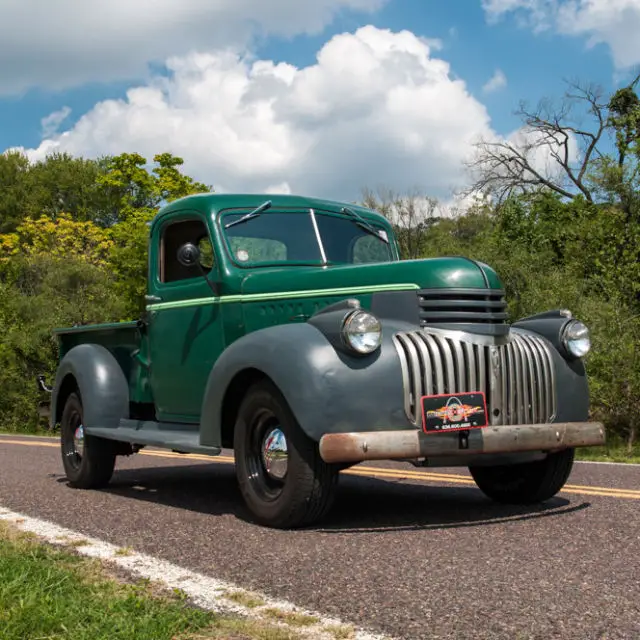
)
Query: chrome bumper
[{"x": 414, "y": 444}]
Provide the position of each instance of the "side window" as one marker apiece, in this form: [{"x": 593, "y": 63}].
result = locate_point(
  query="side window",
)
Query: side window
[
  {"x": 174, "y": 236},
  {"x": 369, "y": 249},
  {"x": 206, "y": 253}
]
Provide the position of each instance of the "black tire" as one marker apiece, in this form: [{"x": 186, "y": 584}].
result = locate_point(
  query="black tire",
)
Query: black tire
[
  {"x": 525, "y": 483},
  {"x": 306, "y": 492},
  {"x": 92, "y": 466}
]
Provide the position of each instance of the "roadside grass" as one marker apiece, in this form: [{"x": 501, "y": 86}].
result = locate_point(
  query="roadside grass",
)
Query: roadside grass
[
  {"x": 39, "y": 433},
  {"x": 292, "y": 617},
  {"x": 613, "y": 453},
  {"x": 52, "y": 593},
  {"x": 246, "y": 599}
]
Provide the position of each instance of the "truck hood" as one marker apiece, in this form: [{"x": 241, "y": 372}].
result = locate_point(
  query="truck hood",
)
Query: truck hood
[{"x": 430, "y": 273}]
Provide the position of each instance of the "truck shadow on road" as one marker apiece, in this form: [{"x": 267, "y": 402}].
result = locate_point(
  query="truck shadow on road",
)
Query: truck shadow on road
[{"x": 362, "y": 504}]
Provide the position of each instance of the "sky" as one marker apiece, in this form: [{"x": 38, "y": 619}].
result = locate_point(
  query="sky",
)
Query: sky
[{"x": 320, "y": 98}]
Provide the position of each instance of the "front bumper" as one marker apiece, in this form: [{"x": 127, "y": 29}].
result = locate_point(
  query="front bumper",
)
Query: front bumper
[{"x": 413, "y": 444}]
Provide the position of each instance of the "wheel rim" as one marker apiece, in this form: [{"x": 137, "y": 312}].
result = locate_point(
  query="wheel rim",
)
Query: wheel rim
[
  {"x": 74, "y": 440},
  {"x": 275, "y": 458},
  {"x": 267, "y": 455}
]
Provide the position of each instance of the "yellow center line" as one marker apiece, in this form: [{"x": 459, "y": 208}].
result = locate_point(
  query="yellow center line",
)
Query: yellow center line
[
  {"x": 404, "y": 474},
  {"x": 367, "y": 471}
]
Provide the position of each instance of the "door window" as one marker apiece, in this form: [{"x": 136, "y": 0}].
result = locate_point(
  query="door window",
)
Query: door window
[{"x": 174, "y": 236}]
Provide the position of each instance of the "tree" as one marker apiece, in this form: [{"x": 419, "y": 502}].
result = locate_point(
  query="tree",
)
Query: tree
[
  {"x": 60, "y": 238},
  {"x": 130, "y": 187},
  {"x": 411, "y": 215},
  {"x": 14, "y": 189},
  {"x": 136, "y": 195},
  {"x": 561, "y": 148},
  {"x": 58, "y": 184}
]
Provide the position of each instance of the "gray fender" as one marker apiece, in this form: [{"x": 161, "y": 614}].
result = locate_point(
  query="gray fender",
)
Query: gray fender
[
  {"x": 571, "y": 382},
  {"x": 572, "y": 389},
  {"x": 102, "y": 384},
  {"x": 328, "y": 390}
]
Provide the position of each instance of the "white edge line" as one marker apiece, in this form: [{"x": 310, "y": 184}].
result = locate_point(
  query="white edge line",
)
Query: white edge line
[
  {"x": 203, "y": 591},
  {"x": 619, "y": 464}
]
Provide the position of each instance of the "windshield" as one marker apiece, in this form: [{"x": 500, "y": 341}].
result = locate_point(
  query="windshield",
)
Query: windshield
[{"x": 291, "y": 238}]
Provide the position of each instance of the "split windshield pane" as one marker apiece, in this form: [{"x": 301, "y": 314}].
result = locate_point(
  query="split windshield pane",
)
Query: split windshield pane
[{"x": 276, "y": 237}]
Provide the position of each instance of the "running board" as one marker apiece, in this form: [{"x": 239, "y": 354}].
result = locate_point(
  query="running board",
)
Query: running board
[{"x": 176, "y": 437}]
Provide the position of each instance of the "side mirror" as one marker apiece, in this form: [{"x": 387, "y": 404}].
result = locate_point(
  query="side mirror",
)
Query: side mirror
[{"x": 189, "y": 255}]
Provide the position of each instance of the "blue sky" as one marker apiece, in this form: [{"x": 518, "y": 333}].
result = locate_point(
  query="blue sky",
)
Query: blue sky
[{"x": 534, "y": 52}]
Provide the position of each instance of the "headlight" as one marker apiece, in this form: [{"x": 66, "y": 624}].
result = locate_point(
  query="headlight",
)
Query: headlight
[
  {"x": 362, "y": 332},
  {"x": 575, "y": 339}
]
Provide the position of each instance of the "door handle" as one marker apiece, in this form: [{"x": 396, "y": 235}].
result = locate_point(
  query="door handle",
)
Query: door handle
[{"x": 149, "y": 298}]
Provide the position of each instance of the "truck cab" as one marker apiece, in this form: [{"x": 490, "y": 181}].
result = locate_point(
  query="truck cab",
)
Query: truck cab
[{"x": 289, "y": 330}]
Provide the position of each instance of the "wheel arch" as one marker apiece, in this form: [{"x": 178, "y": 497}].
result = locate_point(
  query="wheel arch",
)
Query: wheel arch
[
  {"x": 92, "y": 371},
  {"x": 235, "y": 393},
  {"x": 68, "y": 386}
]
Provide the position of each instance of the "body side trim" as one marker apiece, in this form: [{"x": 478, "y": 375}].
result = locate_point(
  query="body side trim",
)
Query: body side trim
[{"x": 282, "y": 295}]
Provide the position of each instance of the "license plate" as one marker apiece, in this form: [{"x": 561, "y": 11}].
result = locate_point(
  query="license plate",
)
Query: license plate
[{"x": 454, "y": 412}]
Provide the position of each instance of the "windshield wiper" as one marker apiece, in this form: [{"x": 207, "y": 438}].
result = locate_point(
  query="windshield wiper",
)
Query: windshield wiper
[
  {"x": 252, "y": 214},
  {"x": 361, "y": 222}
]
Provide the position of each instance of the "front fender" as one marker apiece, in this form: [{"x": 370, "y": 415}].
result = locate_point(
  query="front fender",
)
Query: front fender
[
  {"x": 328, "y": 390},
  {"x": 571, "y": 383},
  {"x": 102, "y": 384}
]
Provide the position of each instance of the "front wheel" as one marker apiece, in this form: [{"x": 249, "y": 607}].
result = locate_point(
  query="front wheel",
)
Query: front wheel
[
  {"x": 282, "y": 478},
  {"x": 525, "y": 483},
  {"x": 88, "y": 461}
]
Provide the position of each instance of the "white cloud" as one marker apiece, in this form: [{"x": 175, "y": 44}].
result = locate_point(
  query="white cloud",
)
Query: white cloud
[
  {"x": 615, "y": 23},
  {"x": 497, "y": 81},
  {"x": 51, "y": 123},
  {"x": 68, "y": 42},
  {"x": 376, "y": 108},
  {"x": 282, "y": 188}
]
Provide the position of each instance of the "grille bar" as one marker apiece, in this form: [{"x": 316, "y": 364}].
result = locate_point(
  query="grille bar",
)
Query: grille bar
[
  {"x": 462, "y": 306},
  {"x": 517, "y": 377}
]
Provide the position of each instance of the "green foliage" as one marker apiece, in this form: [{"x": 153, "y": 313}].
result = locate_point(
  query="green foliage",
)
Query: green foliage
[
  {"x": 136, "y": 194},
  {"x": 73, "y": 250},
  {"x": 50, "y": 593},
  {"x": 131, "y": 188},
  {"x": 38, "y": 294},
  {"x": 59, "y": 184}
]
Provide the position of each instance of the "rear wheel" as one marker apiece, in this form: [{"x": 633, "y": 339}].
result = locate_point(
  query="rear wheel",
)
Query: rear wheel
[
  {"x": 88, "y": 461},
  {"x": 282, "y": 478},
  {"x": 525, "y": 483}
]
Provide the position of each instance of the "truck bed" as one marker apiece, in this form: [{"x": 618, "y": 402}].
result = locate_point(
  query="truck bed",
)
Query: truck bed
[{"x": 126, "y": 341}]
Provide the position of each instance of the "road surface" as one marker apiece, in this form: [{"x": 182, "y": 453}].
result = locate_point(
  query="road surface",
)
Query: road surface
[{"x": 411, "y": 553}]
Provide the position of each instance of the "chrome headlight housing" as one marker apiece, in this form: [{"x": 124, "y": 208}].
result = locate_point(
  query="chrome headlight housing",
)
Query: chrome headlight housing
[
  {"x": 575, "y": 339},
  {"x": 362, "y": 332}
]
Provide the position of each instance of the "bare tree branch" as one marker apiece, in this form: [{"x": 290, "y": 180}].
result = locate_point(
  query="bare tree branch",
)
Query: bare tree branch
[
  {"x": 553, "y": 150},
  {"x": 412, "y": 214}
]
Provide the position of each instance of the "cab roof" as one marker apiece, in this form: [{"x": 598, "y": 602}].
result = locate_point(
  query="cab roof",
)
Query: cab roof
[{"x": 217, "y": 202}]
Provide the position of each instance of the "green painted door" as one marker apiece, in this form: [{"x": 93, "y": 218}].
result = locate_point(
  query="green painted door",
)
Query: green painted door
[{"x": 186, "y": 333}]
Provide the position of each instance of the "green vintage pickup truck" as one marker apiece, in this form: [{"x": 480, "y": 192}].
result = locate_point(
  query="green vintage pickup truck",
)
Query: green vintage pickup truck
[{"x": 289, "y": 330}]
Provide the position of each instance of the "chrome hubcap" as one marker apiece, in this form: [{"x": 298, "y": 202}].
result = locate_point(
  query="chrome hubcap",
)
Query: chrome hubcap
[
  {"x": 274, "y": 454},
  {"x": 78, "y": 440}
]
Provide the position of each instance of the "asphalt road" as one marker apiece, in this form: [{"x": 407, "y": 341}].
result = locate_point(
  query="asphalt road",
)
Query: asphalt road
[{"x": 415, "y": 554}]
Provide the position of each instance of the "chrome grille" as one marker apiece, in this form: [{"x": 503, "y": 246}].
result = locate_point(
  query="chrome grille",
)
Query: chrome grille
[{"x": 515, "y": 373}]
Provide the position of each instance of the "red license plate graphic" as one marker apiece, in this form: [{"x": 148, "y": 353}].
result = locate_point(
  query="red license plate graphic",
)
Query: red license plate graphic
[{"x": 454, "y": 412}]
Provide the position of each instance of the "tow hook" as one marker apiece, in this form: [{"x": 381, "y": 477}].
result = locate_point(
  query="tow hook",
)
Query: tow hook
[{"x": 42, "y": 385}]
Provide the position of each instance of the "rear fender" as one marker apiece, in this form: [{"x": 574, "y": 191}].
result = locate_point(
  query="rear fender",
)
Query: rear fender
[
  {"x": 327, "y": 388},
  {"x": 103, "y": 388}
]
